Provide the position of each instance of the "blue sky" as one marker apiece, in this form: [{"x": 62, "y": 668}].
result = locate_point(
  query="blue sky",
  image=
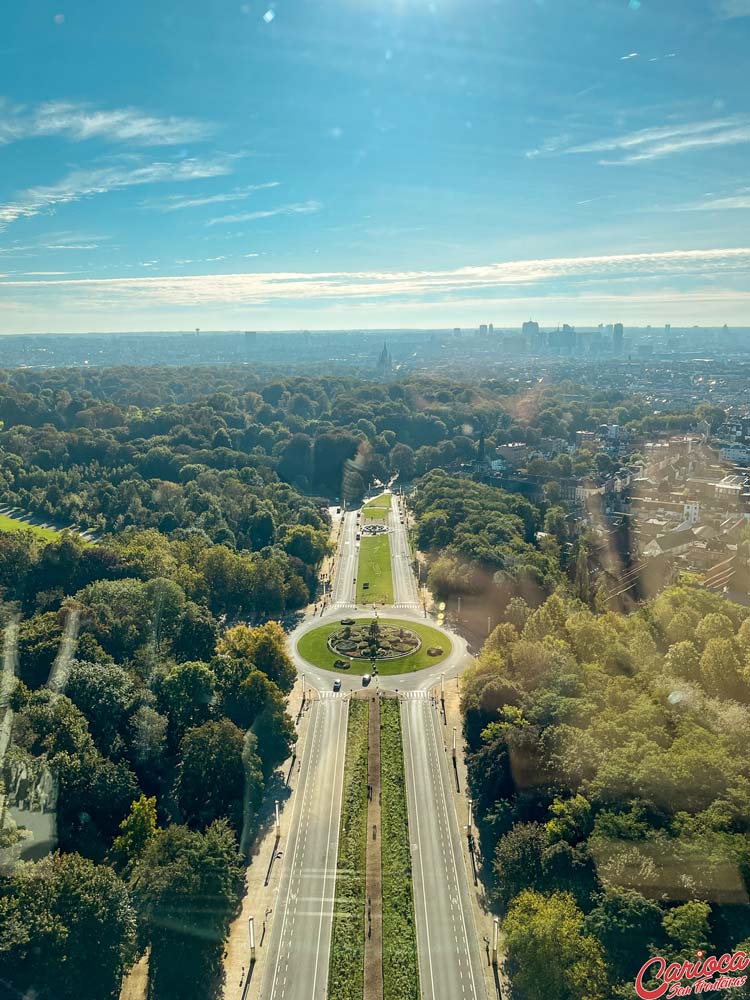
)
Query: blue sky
[{"x": 275, "y": 164}]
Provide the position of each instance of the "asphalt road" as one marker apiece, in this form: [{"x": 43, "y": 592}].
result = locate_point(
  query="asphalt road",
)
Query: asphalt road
[
  {"x": 450, "y": 962},
  {"x": 301, "y": 931},
  {"x": 404, "y": 588},
  {"x": 344, "y": 594}
]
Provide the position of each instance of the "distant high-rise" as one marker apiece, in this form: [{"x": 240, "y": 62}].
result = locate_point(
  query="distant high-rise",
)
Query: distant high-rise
[
  {"x": 491, "y": 329},
  {"x": 618, "y": 336},
  {"x": 530, "y": 329},
  {"x": 482, "y": 329}
]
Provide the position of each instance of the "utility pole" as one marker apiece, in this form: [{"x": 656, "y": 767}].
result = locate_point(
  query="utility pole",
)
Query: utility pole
[
  {"x": 278, "y": 824},
  {"x": 495, "y": 937},
  {"x": 459, "y": 607},
  {"x": 251, "y": 929},
  {"x": 489, "y": 624},
  {"x": 454, "y": 744},
  {"x": 470, "y": 817}
]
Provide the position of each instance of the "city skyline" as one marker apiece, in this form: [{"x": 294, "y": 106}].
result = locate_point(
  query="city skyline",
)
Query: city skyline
[{"x": 407, "y": 166}]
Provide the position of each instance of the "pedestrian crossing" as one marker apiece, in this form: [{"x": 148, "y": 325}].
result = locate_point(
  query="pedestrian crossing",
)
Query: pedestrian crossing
[
  {"x": 411, "y": 605},
  {"x": 415, "y": 695},
  {"x": 325, "y": 695}
]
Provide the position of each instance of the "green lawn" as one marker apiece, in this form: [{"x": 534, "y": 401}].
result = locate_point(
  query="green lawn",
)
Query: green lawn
[
  {"x": 313, "y": 647},
  {"x": 375, "y": 569},
  {"x": 377, "y": 508},
  {"x": 11, "y": 524}
]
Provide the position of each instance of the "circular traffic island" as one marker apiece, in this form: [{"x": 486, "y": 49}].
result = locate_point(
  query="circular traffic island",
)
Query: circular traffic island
[{"x": 387, "y": 645}]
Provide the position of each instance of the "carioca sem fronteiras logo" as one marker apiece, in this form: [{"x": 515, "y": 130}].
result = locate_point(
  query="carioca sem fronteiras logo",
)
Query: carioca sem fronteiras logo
[{"x": 708, "y": 974}]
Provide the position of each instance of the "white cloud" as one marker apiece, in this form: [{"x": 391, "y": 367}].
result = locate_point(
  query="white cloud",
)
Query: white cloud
[
  {"x": 654, "y": 143},
  {"x": 630, "y": 55},
  {"x": 256, "y": 289},
  {"x": 78, "y": 122},
  {"x": 734, "y": 8},
  {"x": 732, "y": 202},
  {"x": 84, "y": 183},
  {"x": 298, "y": 208},
  {"x": 176, "y": 202}
]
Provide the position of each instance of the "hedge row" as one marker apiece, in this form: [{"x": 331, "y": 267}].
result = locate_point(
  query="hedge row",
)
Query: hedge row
[
  {"x": 346, "y": 967},
  {"x": 400, "y": 968}
]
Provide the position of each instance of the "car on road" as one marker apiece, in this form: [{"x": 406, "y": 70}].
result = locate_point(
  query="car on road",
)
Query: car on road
[
  {"x": 337, "y": 684},
  {"x": 357, "y": 538},
  {"x": 366, "y": 680}
]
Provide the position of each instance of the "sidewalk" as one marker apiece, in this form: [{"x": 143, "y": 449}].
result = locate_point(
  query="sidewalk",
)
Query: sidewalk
[
  {"x": 497, "y": 985},
  {"x": 259, "y": 900}
]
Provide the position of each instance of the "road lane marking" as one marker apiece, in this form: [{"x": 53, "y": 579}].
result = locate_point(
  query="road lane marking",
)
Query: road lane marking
[
  {"x": 405, "y": 715},
  {"x": 343, "y": 715},
  {"x": 305, "y": 789},
  {"x": 453, "y": 860}
]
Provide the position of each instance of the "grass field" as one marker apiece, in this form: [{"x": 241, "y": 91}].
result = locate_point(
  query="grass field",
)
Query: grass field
[
  {"x": 374, "y": 568},
  {"x": 377, "y": 508},
  {"x": 11, "y": 524},
  {"x": 313, "y": 647},
  {"x": 346, "y": 966},
  {"x": 400, "y": 967}
]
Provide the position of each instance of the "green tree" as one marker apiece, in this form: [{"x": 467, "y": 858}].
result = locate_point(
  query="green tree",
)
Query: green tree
[
  {"x": 136, "y": 830},
  {"x": 211, "y": 775},
  {"x": 548, "y": 952},
  {"x": 67, "y": 929},
  {"x": 186, "y": 693},
  {"x": 186, "y": 887}
]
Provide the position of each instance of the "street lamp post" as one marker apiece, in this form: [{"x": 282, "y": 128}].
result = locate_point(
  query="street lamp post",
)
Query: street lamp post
[
  {"x": 251, "y": 929},
  {"x": 471, "y": 817},
  {"x": 278, "y": 824}
]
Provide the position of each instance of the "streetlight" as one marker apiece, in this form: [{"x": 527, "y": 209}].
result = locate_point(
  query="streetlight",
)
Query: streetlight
[
  {"x": 278, "y": 825},
  {"x": 251, "y": 929},
  {"x": 470, "y": 804}
]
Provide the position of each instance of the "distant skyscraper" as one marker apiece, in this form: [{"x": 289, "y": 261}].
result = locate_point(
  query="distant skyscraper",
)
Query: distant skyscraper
[
  {"x": 530, "y": 333},
  {"x": 482, "y": 329},
  {"x": 618, "y": 335},
  {"x": 491, "y": 329}
]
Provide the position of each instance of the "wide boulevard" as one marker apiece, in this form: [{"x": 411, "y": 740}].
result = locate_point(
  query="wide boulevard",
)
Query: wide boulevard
[{"x": 449, "y": 956}]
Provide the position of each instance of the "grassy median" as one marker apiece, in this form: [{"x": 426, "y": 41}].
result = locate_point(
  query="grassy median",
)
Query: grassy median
[
  {"x": 346, "y": 967},
  {"x": 377, "y": 508},
  {"x": 400, "y": 967},
  {"x": 374, "y": 569}
]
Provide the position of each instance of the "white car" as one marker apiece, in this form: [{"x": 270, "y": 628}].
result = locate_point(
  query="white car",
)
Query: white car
[
  {"x": 337, "y": 684},
  {"x": 366, "y": 680}
]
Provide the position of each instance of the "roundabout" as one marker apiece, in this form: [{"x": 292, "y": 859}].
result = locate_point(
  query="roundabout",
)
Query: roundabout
[{"x": 369, "y": 644}]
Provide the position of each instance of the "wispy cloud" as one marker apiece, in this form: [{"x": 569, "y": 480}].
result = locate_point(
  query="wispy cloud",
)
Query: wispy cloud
[
  {"x": 297, "y": 208},
  {"x": 630, "y": 55},
  {"x": 734, "y": 8},
  {"x": 655, "y": 143},
  {"x": 176, "y": 202},
  {"x": 79, "y": 122},
  {"x": 403, "y": 286},
  {"x": 84, "y": 183},
  {"x": 735, "y": 202}
]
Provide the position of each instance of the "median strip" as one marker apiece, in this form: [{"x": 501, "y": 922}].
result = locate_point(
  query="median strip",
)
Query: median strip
[
  {"x": 400, "y": 969},
  {"x": 346, "y": 966}
]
